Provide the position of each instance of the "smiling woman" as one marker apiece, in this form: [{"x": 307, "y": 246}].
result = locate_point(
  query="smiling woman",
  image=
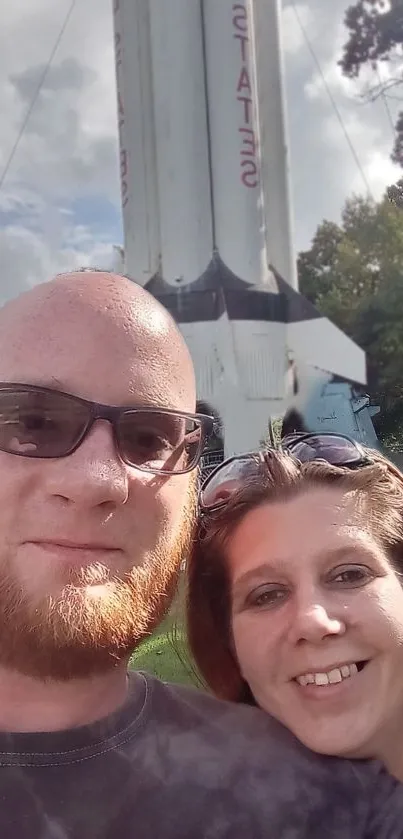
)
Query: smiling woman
[{"x": 296, "y": 604}]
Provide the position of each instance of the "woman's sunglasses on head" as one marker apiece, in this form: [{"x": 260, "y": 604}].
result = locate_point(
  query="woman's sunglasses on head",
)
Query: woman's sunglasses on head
[
  {"x": 228, "y": 477},
  {"x": 45, "y": 423}
]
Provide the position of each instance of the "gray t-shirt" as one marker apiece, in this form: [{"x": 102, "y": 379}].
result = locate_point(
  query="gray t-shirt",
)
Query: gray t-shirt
[{"x": 175, "y": 763}]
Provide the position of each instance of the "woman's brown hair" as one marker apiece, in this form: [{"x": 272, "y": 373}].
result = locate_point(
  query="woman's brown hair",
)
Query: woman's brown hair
[{"x": 379, "y": 487}]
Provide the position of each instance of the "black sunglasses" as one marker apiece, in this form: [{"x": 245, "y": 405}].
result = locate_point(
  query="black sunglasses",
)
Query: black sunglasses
[
  {"x": 228, "y": 477},
  {"x": 46, "y": 423}
]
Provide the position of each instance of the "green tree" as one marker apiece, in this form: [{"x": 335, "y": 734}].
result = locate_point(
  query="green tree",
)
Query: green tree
[
  {"x": 375, "y": 37},
  {"x": 354, "y": 274}
]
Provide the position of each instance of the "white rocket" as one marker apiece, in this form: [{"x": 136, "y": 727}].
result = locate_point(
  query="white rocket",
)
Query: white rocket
[{"x": 206, "y": 201}]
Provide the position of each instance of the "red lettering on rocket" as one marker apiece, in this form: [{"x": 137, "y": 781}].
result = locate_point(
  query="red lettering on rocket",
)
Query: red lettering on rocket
[
  {"x": 244, "y": 81},
  {"x": 248, "y": 151},
  {"x": 240, "y": 18},
  {"x": 124, "y": 185}
]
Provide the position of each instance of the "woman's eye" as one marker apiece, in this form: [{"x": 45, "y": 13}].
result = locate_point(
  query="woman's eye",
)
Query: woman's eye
[
  {"x": 351, "y": 576},
  {"x": 266, "y": 597}
]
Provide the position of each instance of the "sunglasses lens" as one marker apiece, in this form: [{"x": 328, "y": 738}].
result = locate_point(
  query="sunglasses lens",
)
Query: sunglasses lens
[
  {"x": 226, "y": 481},
  {"x": 160, "y": 442},
  {"x": 38, "y": 423},
  {"x": 338, "y": 451}
]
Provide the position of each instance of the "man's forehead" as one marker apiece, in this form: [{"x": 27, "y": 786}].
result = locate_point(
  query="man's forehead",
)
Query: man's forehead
[
  {"x": 104, "y": 347},
  {"x": 69, "y": 336},
  {"x": 101, "y": 370}
]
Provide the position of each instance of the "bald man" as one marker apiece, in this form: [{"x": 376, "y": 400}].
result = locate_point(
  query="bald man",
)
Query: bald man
[{"x": 98, "y": 449}]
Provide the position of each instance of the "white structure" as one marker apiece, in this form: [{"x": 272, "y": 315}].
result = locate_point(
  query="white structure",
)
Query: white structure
[{"x": 206, "y": 200}]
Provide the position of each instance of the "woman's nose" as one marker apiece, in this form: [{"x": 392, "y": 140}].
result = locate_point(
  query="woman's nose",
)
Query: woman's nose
[{"x": 313, "y": 622}]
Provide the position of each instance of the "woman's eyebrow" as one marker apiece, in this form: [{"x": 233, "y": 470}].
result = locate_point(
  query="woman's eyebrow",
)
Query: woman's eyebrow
[
  {"x": 260, "y": 571},
  {"x": 276, "y": 568}
]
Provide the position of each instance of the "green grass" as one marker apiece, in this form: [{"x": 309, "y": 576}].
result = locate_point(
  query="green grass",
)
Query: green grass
[{"x": 164, "y": 654}]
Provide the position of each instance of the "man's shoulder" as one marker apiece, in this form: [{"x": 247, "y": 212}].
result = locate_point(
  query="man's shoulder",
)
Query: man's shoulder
[
  {"x": 247, "y": 734},
  {"x": 193, "y": 707},
  {"x": 239, "y": 762}
]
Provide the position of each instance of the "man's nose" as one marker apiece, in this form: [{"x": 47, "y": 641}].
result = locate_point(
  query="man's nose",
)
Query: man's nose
[
  {"x": 313, "y": 621},
  {"x": 94, "y": 474}
]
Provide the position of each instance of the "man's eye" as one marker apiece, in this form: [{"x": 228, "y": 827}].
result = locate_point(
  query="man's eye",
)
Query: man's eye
[
  {"x": 35, "y": 422},
  {"x": 266, "y": 597},
  {"x": 150, "y": 441},
  {"x": 351, "y": 576}
]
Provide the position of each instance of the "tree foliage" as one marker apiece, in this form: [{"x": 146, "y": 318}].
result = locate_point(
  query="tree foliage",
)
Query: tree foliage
[
  {"x": 354, "y": 274},
  {"x": 375, "y": 35}
]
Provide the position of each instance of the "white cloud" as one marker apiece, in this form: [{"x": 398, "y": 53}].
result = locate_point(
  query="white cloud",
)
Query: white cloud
[
  {"x": 292, "y": 33},
  {"x": 339, "y": 143},
  {"x": 68, "y": 150},
  {"x": 28, "y": 257},
  {"x": 380, "y": 171},
  {"x": 71, "y": 134}
]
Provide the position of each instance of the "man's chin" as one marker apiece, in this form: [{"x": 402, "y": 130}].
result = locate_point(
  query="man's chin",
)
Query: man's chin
[
  {"x": 93, "y": 621},
  {"x": 82, "y": 630},
  {"x": 51, "y": 651}
]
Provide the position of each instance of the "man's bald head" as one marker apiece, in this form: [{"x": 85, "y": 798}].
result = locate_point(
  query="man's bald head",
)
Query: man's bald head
[{"x": 105, "y": 320}]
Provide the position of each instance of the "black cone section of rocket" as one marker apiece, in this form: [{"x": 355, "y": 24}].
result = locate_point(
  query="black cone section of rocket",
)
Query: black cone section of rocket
[{"x": 219, "y": 290}]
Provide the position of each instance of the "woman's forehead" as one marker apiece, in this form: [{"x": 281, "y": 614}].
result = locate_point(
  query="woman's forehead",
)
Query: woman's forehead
[{"x": 309, "y": 524}]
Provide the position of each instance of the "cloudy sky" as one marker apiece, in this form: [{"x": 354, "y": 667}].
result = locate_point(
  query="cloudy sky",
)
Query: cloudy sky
[{"x": 60, "y": 202}]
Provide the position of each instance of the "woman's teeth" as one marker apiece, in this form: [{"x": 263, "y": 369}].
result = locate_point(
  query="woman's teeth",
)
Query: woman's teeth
[{"x": 338, "y": 674}]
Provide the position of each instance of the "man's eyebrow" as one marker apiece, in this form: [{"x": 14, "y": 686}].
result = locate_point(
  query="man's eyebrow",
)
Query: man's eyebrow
[
  {"x": 52, "y": 383},
  {"x": 157, "y": 404}
]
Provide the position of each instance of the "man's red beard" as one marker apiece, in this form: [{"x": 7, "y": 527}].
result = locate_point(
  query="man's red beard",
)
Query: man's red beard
[{"x": 83, "y": 632}]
